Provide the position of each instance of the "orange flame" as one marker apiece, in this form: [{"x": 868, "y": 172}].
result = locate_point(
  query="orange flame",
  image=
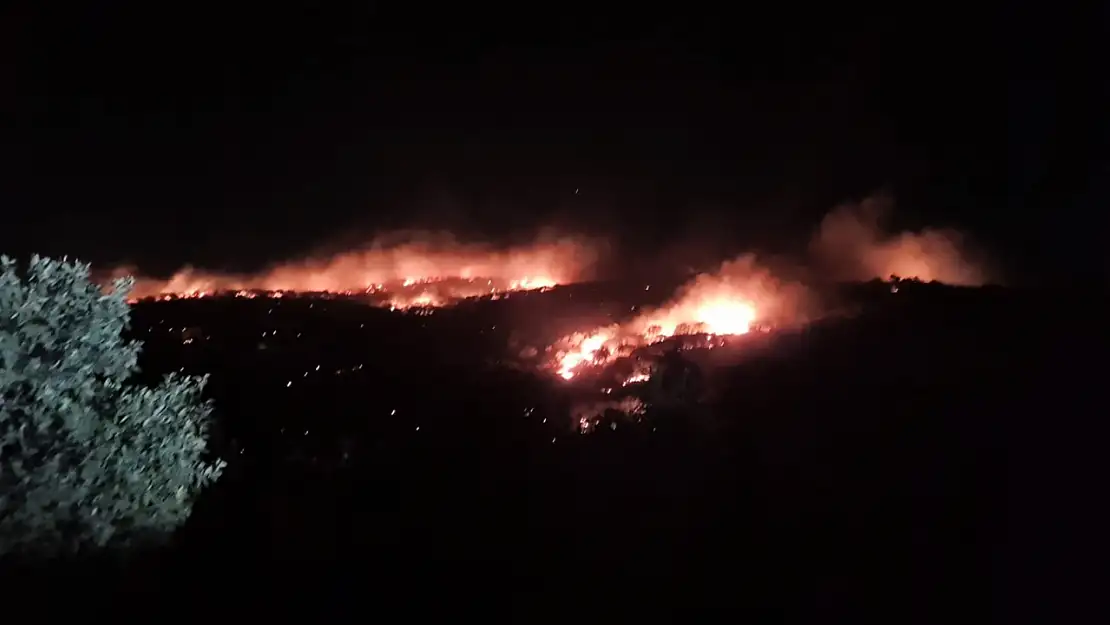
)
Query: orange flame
[
  {"x": 729, "y": 302},
  {"x": 415, "y": 274}
]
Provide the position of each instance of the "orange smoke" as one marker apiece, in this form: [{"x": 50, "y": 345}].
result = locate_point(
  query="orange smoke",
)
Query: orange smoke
[
  {"x": 734, "y": 300},
  {"x": 421, "y": 272},
  {"x": 851, "y": 244}
]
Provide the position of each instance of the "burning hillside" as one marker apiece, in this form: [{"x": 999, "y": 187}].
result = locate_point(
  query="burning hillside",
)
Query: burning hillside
[
  {"x": 739, "y": 298},
  {"x": 397, "y": 295},
  {"x": 616, "y": 349},
  {"x": 426, "y": 273},
  {"x": 743, "y": 296}
]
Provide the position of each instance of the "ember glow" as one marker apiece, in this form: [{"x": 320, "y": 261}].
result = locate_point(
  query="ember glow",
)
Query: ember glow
[
  {"x": 430, "y": 273},
  {"x": 730, "y": 302},
  {"x": 436, "y": 293},
  {"x": 588, "y": 417}
]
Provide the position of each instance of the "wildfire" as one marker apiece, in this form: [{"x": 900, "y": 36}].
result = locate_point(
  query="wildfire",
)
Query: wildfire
[
  {"x": 729, "y": 302},
  {"x": 585, "y": 352},
  {"x": 436, "y": 293},
  {"x": 416, "y": 274},
  {"x": 715, "y": 317},
  {"x": 737, "y": 299}
]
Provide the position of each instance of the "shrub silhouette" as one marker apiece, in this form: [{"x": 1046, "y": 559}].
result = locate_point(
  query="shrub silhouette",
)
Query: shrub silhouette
[{"x": 86, "y": 459}]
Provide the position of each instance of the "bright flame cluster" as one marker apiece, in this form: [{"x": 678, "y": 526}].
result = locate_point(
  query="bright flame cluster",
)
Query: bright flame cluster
[
  {"x": 727, "y": 314},
  {"x": 738, "y": 298}
]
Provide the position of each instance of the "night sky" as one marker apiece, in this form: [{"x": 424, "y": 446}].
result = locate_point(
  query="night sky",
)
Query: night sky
[{"x": 229, "y": 139}]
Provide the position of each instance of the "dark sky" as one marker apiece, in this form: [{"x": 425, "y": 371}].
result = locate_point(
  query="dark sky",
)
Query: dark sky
[{"x": 228, "y": 138}]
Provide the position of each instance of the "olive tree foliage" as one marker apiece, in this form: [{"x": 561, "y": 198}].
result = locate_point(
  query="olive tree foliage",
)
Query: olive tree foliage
[{"x": 86, "y": 459}]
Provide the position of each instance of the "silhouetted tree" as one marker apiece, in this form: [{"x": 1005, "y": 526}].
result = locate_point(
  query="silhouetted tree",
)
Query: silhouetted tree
[{"x": 87, "y": 460}]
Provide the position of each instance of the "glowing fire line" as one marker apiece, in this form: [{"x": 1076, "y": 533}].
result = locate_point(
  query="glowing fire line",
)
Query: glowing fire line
[{"x": 403, "y": 276}]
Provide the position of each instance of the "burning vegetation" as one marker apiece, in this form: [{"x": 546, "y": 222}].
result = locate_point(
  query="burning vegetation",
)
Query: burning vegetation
[
  {"x": 739, "y": 298},
  {"x": 422, "y": 274},
  {"x": 712, "y": 310}
]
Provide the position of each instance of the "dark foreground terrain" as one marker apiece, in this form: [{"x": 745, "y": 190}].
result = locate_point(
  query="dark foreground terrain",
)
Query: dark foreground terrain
[{"x": 934, "y": 459}]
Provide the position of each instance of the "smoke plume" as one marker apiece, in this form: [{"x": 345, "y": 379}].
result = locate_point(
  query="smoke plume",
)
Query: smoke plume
[{"x": 851, "y": 245}]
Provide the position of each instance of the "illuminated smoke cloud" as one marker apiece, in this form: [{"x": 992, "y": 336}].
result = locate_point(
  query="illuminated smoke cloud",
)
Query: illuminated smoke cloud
[{"x": 851, "y": 244}]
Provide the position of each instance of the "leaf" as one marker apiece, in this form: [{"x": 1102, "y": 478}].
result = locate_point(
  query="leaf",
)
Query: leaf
[{"x": 87, "y": 461}]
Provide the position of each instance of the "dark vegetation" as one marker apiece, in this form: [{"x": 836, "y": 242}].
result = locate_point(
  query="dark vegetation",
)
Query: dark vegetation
[{"x": 911, "y": 464}]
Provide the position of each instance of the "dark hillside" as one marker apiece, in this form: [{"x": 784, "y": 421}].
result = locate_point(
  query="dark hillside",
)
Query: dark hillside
[{"x": 933, "y": 455}]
